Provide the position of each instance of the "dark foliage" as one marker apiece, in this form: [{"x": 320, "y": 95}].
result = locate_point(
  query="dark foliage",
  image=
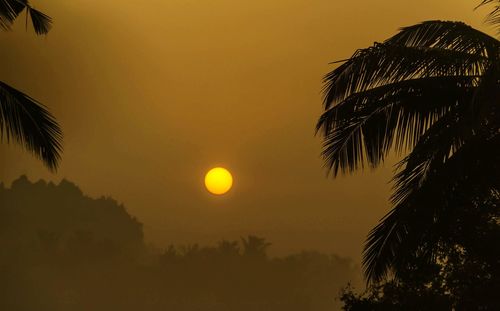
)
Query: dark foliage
[
  {"x": 44, "y": 214},
  {"x": 465, "y": 275},
  {"x": 29, "y": 123},
  {"x": 494, "y": 17},
  {"x": 10, "y": 10},
  {"x": 22, "y": 118},
  {"x": 431, "y": 91},
  {"x": 61, "y": 250}
]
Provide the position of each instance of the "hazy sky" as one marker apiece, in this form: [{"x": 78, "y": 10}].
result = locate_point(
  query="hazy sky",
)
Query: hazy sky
[{"x": 153, "y": 93}]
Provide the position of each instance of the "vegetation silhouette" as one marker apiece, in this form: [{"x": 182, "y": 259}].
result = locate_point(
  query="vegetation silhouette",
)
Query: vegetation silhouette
[
  {"x": 431, "y": 91},
  {"x": 62, "y": 250},
  {"x": 464, "y": 276},
  {"x": 22, "y": 118},
  {"x": 50, "y": 216}
]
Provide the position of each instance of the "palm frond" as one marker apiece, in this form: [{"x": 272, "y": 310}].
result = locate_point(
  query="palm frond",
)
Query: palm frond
[
  {"x": 429, "y": 49},
  {"x": 42, "y": 23},
  {"x": 9, "y": 11},
  {"x": 400, "y": 233},
  {"x": 382, "y": 246},
  {"x": 456, "y": 36},
  {"x": 493, "y": 18},
  {"x": 365, "y": 126},
  {"x": 386, "y": 63},
  {"x": 436, "y": 146},
  {"x": 30, "y": 124},
  {"x": 420, "y": 218}
]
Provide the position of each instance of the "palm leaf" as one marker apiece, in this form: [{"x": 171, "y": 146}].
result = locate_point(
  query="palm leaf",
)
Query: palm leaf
[
  {"x": 41, "y": 23},
  {"x": 493, "y": 17},
  {"x": 365, "y": 126},
  {"x": 30, "y": 124},
  {"x": 420, "y": 219},
  {"x": 401, "y": 232},
  {"x": 429, "y": 49},
  {"x": 456, "y": 36},
  {"x": 9, "y": 11}
]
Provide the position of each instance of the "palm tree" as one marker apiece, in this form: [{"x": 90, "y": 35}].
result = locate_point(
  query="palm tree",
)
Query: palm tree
[
  {"x": 431, "y": 92},
  {"x": 255, "y": 247},
  {"x": 22, "y": 118},
  {"x": 228, "y": 248}
]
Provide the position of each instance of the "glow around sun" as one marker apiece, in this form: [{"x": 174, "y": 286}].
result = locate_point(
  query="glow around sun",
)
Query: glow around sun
[{"x": 218, "y": 181}]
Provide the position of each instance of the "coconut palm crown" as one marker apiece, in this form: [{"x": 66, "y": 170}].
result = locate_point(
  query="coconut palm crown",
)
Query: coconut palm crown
[{"x": 432, "y": 93}]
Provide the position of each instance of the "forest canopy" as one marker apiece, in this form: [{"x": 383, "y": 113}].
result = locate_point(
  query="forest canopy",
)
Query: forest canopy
[{"x": 67, "y": 251}]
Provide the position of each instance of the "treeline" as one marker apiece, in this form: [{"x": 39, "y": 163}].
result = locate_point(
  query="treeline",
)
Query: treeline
[{"x": 62, "y": 250}]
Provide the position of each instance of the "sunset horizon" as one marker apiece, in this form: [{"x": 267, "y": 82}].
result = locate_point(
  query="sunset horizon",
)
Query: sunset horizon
[{"x": 301, "y": 133}]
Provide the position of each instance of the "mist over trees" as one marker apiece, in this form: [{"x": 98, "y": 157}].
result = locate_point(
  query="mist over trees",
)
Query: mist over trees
[
  {"x": 55, "y": 216},
  {"x": 62, "y": 250}
]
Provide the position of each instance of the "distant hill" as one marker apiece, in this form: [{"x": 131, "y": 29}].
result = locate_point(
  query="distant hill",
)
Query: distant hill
[{"x": 43, "y": 215}]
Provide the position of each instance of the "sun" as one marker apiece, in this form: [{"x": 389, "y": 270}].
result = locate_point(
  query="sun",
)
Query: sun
[{"x": 218, "y": 181}]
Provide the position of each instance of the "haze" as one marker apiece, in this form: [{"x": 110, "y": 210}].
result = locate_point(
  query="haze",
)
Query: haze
[{"x": 151, "y": 94}]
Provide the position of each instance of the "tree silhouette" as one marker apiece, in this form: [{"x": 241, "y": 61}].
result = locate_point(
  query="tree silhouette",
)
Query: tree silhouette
[
  {"x": 228, "y": 248},
  {"x": 465, "y": 275},
  {"x": 62, "y": 214},
  {"x": 22, "y": 118},
  {"x": 63, "y": 250},
  {"x": 254, "y": 246},
  {"x": 430, "y": 91}
]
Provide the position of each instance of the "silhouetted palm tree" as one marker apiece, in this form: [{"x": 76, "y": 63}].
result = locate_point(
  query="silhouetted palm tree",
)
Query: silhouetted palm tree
[
  {"x": 228, "y": 248},
  {"x": 22, "y": 118},
  {"x": 431, "y": 91},
  {"x": 255, "y": 247}
]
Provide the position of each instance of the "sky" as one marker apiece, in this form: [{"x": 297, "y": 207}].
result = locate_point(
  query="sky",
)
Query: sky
[{"x": 152, "y": 94}]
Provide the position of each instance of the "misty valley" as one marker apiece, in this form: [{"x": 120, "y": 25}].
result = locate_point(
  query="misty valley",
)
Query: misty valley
[{"x": 62, "y": 250}]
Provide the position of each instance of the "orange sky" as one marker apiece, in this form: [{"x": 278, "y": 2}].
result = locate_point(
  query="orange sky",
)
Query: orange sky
[{"x": 153, "y": 93}]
